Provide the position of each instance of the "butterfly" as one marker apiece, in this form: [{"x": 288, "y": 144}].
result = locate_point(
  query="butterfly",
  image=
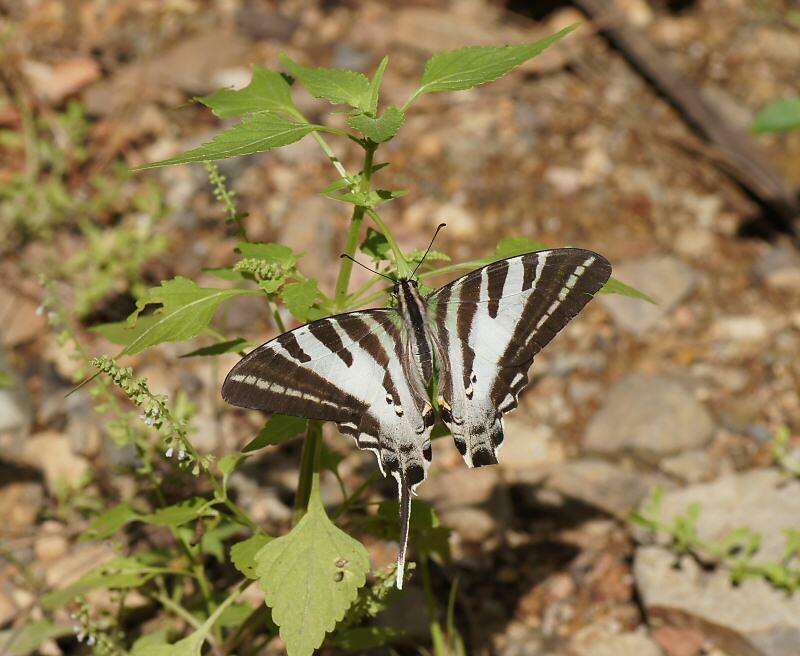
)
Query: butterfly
[{"x": 370, "y": 371}]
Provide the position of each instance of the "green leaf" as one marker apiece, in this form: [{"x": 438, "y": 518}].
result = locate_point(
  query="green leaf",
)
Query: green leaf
[
  {"x": 255, "y": 134},
  {"x": 513, "y": 246},
  {"x": 279, "y": 429},
  {"x": 456, "y": 70},
  {"x": 416, "y": 256},
  {"x": 180, "y": 513},
  {"x": 375, "y": 86},
  {"x": 269, "y": 252},
  {"x": 33, "y": 635},
  {"x": 231, "y": 346},
  {"x": 365, "y": 637},
  {"x": 146, "y": 645},
  {"x": 614, "y": 286},
  {"x": 213, "y": 539},
  {"x": 243, "y": 554},
  {"x": 122, "y": 332},
  {"x": 111, "y": 521},
  {"x": 378, "y": 129},
  {"x": 267, "y": 91},
  {"x": 6, "y": 381},
  {"x": 780, "y": 116},
  {"x": 228, "y": 463},
  {"x": 337, "y": 85},
  {"x": 310, "y": 577},
  {"x": 299, "y": 298},
  {"x": 376, "y": 246},
  {"x": 186, "y": 311}
]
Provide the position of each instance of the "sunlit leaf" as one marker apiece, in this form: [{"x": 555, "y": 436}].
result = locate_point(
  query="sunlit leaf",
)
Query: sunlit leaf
[
  {"x": 255, "y": 134},
  {"x": 279, "y": 429},
  {"x": 32, "y": 635},
  {"x": 378, "y": 129},
  {"x": 337, "y": 85},
  {"x": 466, "y": 68},
  {"x": 243, "y": 553},
  {"x": 299, "y": 298},
  {"x": 614, "y": 286},
  {"x": 310, "y": 577},
  {"x": 268, "y": 90}
]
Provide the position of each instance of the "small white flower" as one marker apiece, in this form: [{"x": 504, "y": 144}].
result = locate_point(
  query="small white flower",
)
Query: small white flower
[
  {"x": 169, "y": 452},
  {"x": 40, "y": 311},
  {"x": 181, "y": 455},
  {"x": 91, "y": 641},
  {"x": 76, "y": 628},
  {"x": 81, "y": 636}
]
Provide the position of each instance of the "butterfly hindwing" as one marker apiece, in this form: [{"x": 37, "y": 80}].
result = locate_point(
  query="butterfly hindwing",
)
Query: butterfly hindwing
[
  {"x": 355, "y": 369},
  {"x": 488, "y": 326}
]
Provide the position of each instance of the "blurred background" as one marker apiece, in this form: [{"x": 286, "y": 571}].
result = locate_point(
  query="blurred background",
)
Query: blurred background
[{"x": 631, "y": 137}]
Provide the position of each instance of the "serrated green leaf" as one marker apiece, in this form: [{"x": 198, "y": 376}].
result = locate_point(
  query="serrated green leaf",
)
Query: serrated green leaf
[
  {"x": 299, "y": 298},
  {"x": 310, "y": 577},
  {"x": 256, "y": 133},
  {"x": 375, "y": 86},
  {"x": 514, "y": 246},
  {"x": 269, "y": 252},
  {"x": 111, "y": 521},
  {"x": 231, "y": 346},
  {"x": 614, "y": 286},
  {"x": 780, "y": 116},
  {"x": 267, "y": 91},
  {"x": 457, "y": 70},
  {"x": 279, "y": 429},
  {"x": 378, "y": 129},
  {"x": 375, "y": 245},
  {"x": 243, "y": 554},
  {"x": 337, "y": 85},
  {"x": 416, "y": 256},
  {"x": 179, "y": 513},
  {"x": 186, "y": 311},
  {"x": 212, "y": 542},
  {"x": 32, "y": 635}
]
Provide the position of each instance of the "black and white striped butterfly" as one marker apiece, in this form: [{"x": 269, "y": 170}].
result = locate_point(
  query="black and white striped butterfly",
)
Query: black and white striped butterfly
[{"x": 370, "y": 371}]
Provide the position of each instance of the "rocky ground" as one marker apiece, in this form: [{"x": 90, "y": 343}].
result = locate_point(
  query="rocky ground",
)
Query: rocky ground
[{"x": 574, "y": 148}]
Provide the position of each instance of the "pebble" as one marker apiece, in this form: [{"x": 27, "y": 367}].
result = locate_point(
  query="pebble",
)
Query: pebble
[
  {"x": 13, "y": 417},
  {"x": 20, "y": 320},
  {"x": 752, "y": 618},
  {"x": 691, "y": 466},
  {"x": 21, "y": 502},
  {"x": 601, "y": 641},
  {"x": 740, "y": 328},
  {"x": 50, "y": 547},
  {"x": 779, "y": 268},
  {"x": 51, "y": 452},
  {"x": 649, "y": 415},
  {"x": 665, "y": 278}
]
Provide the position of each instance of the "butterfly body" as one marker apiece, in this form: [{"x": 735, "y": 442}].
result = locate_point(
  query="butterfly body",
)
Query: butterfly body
[{"x": 370, "y": 371}]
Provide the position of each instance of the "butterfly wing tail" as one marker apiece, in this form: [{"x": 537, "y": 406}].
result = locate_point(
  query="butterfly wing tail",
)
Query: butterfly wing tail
[{"x": 404, "y": 490}]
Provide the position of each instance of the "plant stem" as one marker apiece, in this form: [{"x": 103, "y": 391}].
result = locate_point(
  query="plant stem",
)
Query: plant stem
[
  {"x": 309, "y": 469},
  {"x": 403, "y": 270}
]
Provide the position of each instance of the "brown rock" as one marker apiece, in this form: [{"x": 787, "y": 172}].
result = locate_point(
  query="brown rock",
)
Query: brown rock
[
  {"x": 53, "y": 83},
  {"x": 679, "y": 642},
  {"x": 20, "y": 504},
  {"x": 19, "y": 320},
  {"x": 51, "y": 452}
]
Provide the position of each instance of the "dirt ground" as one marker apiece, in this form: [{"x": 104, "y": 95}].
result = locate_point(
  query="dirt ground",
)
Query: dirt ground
[{"x": 574, "y": 148}]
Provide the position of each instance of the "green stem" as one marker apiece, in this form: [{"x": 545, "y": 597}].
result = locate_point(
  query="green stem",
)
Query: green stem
[
  {"x": 309, "y": 469},
  {"x": 403, "y": 270},
  {"x": 178, "y": 610}
]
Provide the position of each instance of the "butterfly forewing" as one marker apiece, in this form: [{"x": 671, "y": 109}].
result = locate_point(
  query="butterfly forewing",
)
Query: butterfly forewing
[{"x": 489, "y": 325}]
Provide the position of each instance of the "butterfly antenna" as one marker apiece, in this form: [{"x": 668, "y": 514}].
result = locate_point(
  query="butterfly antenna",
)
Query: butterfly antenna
[
  {"x": 405, "y": 527},
  {"x": 352, "y": 259},
  {"x": 438, "y": 228}
]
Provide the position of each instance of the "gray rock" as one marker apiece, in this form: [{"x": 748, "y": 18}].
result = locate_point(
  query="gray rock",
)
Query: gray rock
[
  {"x": 609, "y": 487},
  {"x": 13, "y": 415},
  {"x": 761, "y": 499},
  {"x": 664, "y": 277},
  {"x": 649, "y": 415},
  {"x": 751, "y": 619},
  {"x": 691, "y": 466},
  {"x": 600, "y": 641},
  {"x": 345, "y": 56}
]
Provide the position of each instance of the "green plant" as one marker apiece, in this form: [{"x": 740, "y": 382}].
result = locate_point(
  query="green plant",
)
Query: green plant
[
  {"x": 316, "y": 578},
  {"x": 737, "y": 551},
  {"x": 780, "y": 116}
]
